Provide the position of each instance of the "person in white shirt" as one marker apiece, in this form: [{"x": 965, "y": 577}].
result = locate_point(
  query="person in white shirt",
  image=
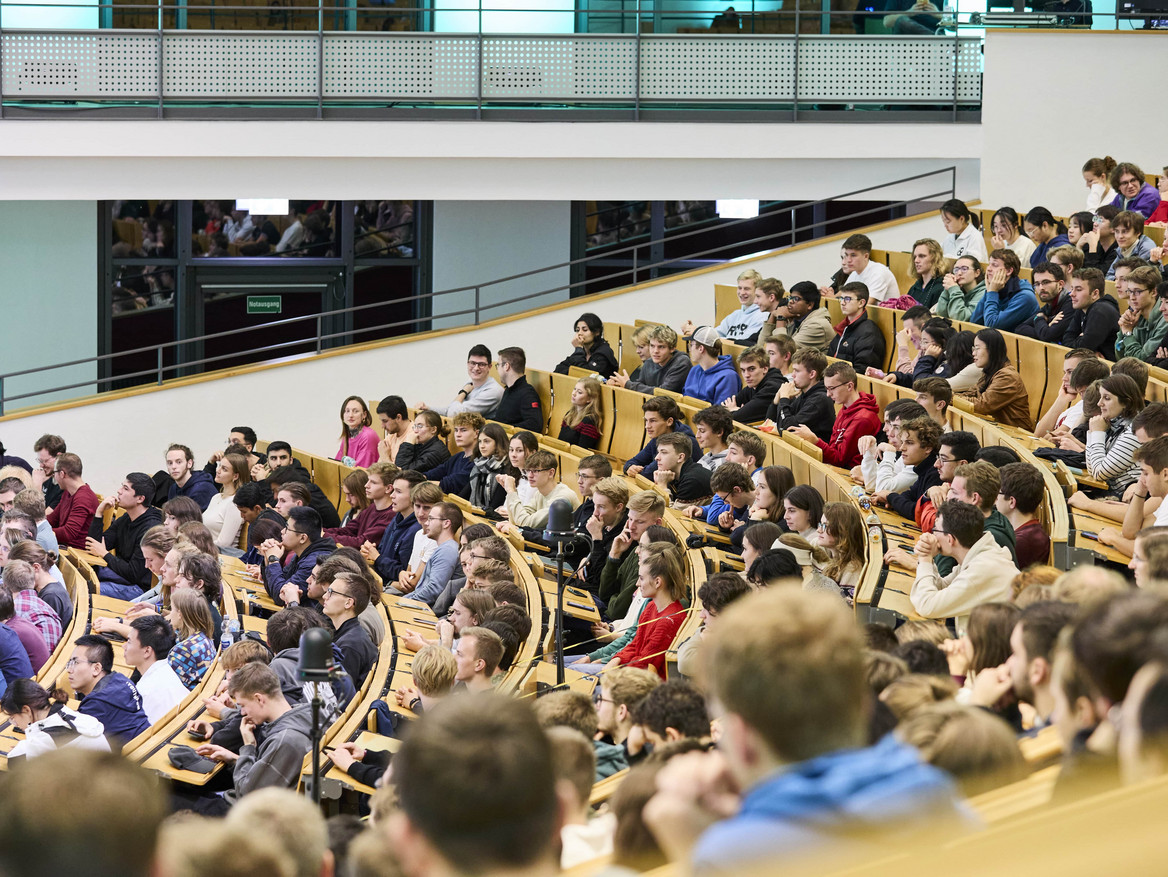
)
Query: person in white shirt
[
  {"x": 149, "y": 641},
  {"x": 743, "y": 325},
  {"x": 882, "y": 467},
  {"x": 540, "y": 471},
  {"x": 964, "y": 238},
  {"x": 1146, "y": 506},
  {"x": 582, "y": 837},
  {"x": 425, "y": 496},
  {"x": 481, "y": 394},
  {"x": 222, "y": 516},
  {"x": 1065, "y": 413},
  {"x": 856, "y": 259},
  {"x": 1097, "y": 176}
]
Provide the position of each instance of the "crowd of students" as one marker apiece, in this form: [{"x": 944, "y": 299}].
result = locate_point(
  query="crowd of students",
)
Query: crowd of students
[{"x": 829, "y": 734}]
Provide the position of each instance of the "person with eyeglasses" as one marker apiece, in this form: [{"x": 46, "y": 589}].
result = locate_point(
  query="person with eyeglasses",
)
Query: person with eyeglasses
[
  {"x": 858, "y": 340},
  {"x": 1055, "y": 307},
  {"x": 481, "y": 394},
  {"x": 105, "y": 695},
  {"x": 540, "y": 472},
  {"x": 442, "y": 526},
  {"x": 802, "y": 318},
  {"x": 1142, "y": 326},
  {"x": 342, "y": 602},
  {"x": 303, "y": 546},
  {"x": 1134, "y": 193},
  {"x": 983, "y": 573},
  {"x": 963, "y": 289}
]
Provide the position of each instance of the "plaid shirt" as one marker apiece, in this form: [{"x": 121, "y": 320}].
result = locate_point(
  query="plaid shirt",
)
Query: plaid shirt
[
  {"x": 35, "y": 610},
  {"x": 191, "y": 658}
]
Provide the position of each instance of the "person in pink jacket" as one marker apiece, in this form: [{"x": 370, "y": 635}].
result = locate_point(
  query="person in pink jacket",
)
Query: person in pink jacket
[{"x": 358, "y": 440}]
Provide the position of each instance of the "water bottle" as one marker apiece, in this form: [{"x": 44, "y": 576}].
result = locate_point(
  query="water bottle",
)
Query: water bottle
[
  {"x": 872, "y": 521},
  {"x": 230, "y": 634}
]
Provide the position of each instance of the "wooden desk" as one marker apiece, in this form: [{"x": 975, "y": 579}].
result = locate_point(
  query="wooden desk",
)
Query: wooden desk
[
  {"x": 253, "y": 594},
  {"x": 894, "y": 596},
  {"x": 159, "y": 761},
  {"x": 365, "y": 740},
  {"x": 91, "y": 559},
  {"x": 577, "y": 603}
]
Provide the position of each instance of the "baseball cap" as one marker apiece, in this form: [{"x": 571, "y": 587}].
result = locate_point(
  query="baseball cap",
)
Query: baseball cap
[{"x": 707, "y": 336}]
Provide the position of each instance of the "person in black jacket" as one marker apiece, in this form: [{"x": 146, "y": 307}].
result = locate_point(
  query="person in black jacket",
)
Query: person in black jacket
[
  {"x": 590, "y": 350},
  {"x": 295, "y": 473},
  {"x": 1095, "y": 322},
  {"x": 920, "y": 438},
  {"x": 858, "y": 340},
  {"x": 1053, "y": 319},
  {"x": 342, "y": 601},
  {"x": 425, "y": 447},
  {"x": 520, "y": 405},
  {"x": 1098, "y": 243},
  {"x": 125, "y": 575},
  {"x": 803, "y": 399},
  {"x": 761, "y": 382}
]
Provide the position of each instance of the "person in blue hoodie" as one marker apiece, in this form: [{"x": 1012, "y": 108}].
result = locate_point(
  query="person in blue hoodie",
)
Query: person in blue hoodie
[
  {"x": 186, "y": 480},
  {"x": 107, "y": 696},
  {"x": 786, "y": 670},
  {"x": 713, "y": 376},
  {"x": 1008, "y": 300}
]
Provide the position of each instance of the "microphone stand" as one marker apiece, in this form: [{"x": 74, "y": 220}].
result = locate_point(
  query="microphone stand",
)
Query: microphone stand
[
  {"x": 561, "y": 586},
  {"x": 314, "y": 783}
]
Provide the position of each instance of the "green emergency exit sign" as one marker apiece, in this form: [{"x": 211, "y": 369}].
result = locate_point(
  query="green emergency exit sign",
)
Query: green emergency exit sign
[{"x": 264, "y": 304}]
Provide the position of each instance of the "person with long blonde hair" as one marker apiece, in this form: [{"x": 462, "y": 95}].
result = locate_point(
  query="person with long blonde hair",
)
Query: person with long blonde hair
[
  {"x": 191, "y": 619},
  {"x": 582, "y": 422},
  {"x": 928, "y": 267},
  {"x": 222, "y": 516}
]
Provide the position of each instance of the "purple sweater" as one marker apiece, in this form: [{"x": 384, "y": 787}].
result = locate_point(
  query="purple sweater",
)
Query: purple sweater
[
  {"x": 362, "y": 448},
  {"x": 1145, "y": 202}
]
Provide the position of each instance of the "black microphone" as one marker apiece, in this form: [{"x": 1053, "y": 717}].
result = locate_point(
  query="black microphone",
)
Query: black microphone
[
  {"x": 316, "y": 656},
  {"x": 559, "y": 522}
]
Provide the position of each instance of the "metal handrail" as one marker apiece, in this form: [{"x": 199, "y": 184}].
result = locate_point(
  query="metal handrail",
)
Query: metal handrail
[{"x": 479, "y": 308}]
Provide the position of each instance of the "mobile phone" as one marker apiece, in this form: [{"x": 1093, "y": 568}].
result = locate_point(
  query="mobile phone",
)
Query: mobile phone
[{"x": 195, "y": 734}]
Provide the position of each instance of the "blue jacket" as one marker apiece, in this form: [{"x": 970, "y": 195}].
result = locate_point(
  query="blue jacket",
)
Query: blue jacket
[
  {"x": 396, "y": 547},
  {"x": 879, "y": 791},
  {"x": 1040, "y": 250},
  {"x": 201, "y": 487},
  {"x": 14, "y": 662},
  {"x": 647, "y": 456},
  {"x": 453, "y": 476},
  {"x": 719, "y": 383},
  {"x": 115, "y": 703},
  {"x": 1007, "y": 308},
  {"x": 1142, "y": 249},
  {"x": 276, "y": 575}
]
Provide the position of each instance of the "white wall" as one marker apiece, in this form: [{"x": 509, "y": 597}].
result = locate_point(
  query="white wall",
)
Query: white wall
[
  {"x": 48, "y": 279},
  {"x": 1034, "y": 152},
  {"x": 298, "y": 402},
  {"x": 470, "y": 160},
  {"x": 486, "y": 240}
]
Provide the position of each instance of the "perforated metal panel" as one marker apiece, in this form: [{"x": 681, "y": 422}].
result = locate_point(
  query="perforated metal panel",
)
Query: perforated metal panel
[
  {"x": 79, "y": 65},
  {"x": 711, "y": 68},
  {"x": 420, "y": 66},
  {"x": 886, "y": 69},
  {"x": 564, "y": 68},
  {"x": 205, "y": 64}
]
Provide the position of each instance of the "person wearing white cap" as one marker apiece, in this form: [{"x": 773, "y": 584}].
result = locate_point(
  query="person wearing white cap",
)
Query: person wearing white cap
[{"x": 713, "y": 377}]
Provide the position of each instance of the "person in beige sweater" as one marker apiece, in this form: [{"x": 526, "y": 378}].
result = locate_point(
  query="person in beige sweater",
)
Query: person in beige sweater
[
  {"x": 541, "y": 473},
  {"x": 983, "y": 573}
]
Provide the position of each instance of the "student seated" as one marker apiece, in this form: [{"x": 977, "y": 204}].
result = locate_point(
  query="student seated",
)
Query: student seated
[
  {"x": 480, "y": 394},
  {"x": 147, "y": 646},
  {"x": 662, "y": 415},
  {"x": 841, "y": 533},
  {"x": 48, "y": 723},
  {"x": 476, "y": 658},
  {"x": 1001, "y": 393},
  {"x": 194, "y": 650},
  {"x": 803, "y": 400},
  {"x": 15, "y": 659},
  {"x": 661, "y": 580},
  {"x": 909, "y": 348},
  {"x": 107, "y": 696},
  {"x": 20, "y": 582},
  {"x": 858, "y": 340},
  {"x": 125, "y": 575},
  {"x": 453, "y": 473},
  {"x": 1130, "y": 240},
  {"x": 303, "y": 543},
  {"x": 919, "y": 443},
  {"x": 712, "y": 427},
  {"x": 812, "y": 642},
  {"x": 881, "y": 467},
  {"x": 1019, "y": 498},
  {"x": 713, "y": 376},
  {"x": 589, "y": 349},
  {"x": 273, "y": 757},
  {"x": 858, "y": 416},
  {"x": 666, "y": 366},
  {"x": 1110, "y": 441},
  {"x": 426, "y": 447},
  {"x": 442, "y": 526},
  {"x": 762, "y": 382},
  {"x": 185, "y": 480},
  {"x": 583, "y": 421},
  {"x": 803, "y": 318},
  {"x": 742, "y": 326},
  {"x": 1133, "y": 190},
  {"x": 719, "y": 591},
  {"x": 31, "y": 502},
  {"x": 640, "y": 339},
  {"x": 1095, "y": 322},
  {"x": 964, "y": 237},
  {"x": 520, "y": 405},
  {"x": 358, "y": 440},
  {"x": 346, "y": 597},
  {"x": 1055, "y": 309},
  {"x": 677, "y": 473},
  {"x": 541, "y": 474},
  {"x": 1065, "y": 413},
  {"x": 1046, "y": 232},
  {"x": 983, "y": 573},
  {"x": 964, "y": 287},
  {"x": 1145, "y": 507},
  {"x": 935, "y": 395},
  {"x": 856, "y": 262},
  {"x": 1008, "y": 301},
  {"x": 928, "y": 267},
  {"x": 1142, "y": 326},
  {"x": 747, "y": 449},
  {"x": 1006, "y": 229}
]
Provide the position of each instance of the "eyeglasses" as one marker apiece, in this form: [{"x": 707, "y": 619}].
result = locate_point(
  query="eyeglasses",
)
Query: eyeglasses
[
  {"x": 961, "y": 269},
  {"x": 1097, "y": 220},
  {"x": 527, "y": 473},
  {"x": 290, "y": 530},
  {"x": 833, "y": 387},
  {"x": 937, "y": 532},
  {"x": 329, "y": 591},
  {"x": 1130, "y": 181},
  {"x": 435, "y": 518},
  {"x": 1051, "y": 282},
  {"x": 794, "y": 299},
  {"x": 472, "y": 364},
  {"x": 822, "y": 527},
  {"x": 73, "y": 662},
  {"x": 846, "y": 299},
  {"x": 941, "y": 459}
]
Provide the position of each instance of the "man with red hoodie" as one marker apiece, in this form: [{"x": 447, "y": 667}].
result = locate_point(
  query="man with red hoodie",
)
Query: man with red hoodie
[{"x": 859, "y": 415}]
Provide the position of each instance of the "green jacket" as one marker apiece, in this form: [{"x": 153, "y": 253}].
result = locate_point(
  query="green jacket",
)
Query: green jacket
[
  {"x": 956, "y": 304},
  {"x": 618, "y": 581},
  {"x": 1145, "y": 339},
  {"x": 610, "y": 758}
]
